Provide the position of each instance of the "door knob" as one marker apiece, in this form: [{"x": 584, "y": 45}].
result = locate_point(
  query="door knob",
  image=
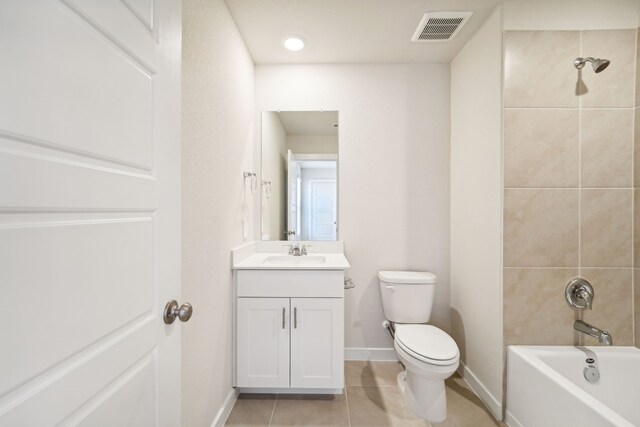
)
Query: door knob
[{"x": 171, "y": 311}]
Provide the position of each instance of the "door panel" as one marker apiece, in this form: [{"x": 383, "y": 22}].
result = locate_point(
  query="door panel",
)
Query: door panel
[
  {"x": 111, "y": 259},
  {"x": 71, "y": 86},
  {"x": 71, "y": 389},
  {"x": 317, "y": 342},
  {"x": 89, "y": 212},
  {"x": 323, "y": 209},
  {"x": 263, "y": 342}
]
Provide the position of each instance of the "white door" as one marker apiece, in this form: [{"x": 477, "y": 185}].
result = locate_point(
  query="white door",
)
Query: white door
[
  {"x": 323, "y": 209},
  {"x": 293, "y": 197},
  {"x": 263, "y": 342},
  {"x": 89, "y": 212},
  {"x": 317, "y": 342}
]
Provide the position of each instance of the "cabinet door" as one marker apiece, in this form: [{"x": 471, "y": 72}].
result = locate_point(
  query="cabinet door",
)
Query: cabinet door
[
  {"x": 317, "y": 342},
  {"x": 263, "y": 342}
]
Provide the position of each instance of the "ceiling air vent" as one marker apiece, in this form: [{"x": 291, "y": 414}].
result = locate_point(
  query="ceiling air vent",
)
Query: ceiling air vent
[{"x": 440, "y": 26}]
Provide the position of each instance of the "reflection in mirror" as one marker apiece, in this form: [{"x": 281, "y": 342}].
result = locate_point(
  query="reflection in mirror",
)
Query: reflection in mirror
[{"x": 299, "y": 175}]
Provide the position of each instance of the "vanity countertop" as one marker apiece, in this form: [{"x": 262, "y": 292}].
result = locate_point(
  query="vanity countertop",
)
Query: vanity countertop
[
  {"x": 282, "y": 261},
  {"x": 259, "y": 255}
]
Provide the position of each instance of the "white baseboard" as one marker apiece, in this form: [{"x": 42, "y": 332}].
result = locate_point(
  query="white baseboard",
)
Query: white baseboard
[
  {"x": 377, "y": 354},
  {"x": 493, "y": 404},
  {"x": 225, "y": 409},
  {"x": 511, "y": 421}
]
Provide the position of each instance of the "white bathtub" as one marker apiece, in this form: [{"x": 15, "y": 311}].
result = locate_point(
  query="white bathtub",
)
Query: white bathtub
[{"x": 546, "y": 387}]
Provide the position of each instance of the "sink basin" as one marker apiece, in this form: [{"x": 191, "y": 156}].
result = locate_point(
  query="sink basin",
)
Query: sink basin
[{"x": 294, "y": 260}]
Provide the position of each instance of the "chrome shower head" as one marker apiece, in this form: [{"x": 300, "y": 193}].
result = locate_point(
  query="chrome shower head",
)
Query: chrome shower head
[{"x": 597, "y": 64}]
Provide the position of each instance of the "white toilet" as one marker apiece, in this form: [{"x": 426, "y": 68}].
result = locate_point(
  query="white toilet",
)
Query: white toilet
[{"x": 428, "y": 353}]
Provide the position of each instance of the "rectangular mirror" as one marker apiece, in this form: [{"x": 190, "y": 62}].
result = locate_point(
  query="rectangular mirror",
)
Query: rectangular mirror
[{"x": 299, "y": 198}]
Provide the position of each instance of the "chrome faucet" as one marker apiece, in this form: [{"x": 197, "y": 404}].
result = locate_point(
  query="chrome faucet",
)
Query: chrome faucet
[
  {"x": 297, "y": 250},
  {"x": 579, "y": 294},
  {"x": 294, "y": 250},
  {"x": 603, "y": 337}
]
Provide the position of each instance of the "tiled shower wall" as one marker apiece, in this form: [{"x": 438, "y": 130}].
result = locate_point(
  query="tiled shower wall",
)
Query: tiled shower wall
[
  {"x": 569, "y": 184},
  {"x": 636, "y": 204}
]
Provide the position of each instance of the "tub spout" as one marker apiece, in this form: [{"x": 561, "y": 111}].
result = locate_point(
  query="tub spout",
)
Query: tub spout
[{"x": 603, "y": 337}]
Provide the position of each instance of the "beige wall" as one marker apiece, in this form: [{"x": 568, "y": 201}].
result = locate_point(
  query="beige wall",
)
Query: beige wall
[
  {"x": 568, "y": 183},
  {"x": 274, "y": 164},
  {"x": 217, "y": 146},
  {"x": 313, "y": 144},
  {"x": 393, "y": 174},
  {"x": 476, "y": 206}
]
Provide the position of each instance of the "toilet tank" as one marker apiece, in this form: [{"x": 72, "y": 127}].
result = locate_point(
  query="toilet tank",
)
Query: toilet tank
[{"x": 407, "y": 296}]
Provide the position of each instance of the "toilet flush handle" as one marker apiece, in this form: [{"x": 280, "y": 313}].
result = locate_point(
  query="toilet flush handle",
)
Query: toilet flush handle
[{"x": 390, "y": 287}]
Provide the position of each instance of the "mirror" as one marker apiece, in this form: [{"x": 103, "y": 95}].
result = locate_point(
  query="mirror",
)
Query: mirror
[{"x": 299, "y": 198}]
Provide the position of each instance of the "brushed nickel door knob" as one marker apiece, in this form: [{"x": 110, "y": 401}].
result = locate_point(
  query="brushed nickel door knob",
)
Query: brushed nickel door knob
[{"x": 172, "y": 311}]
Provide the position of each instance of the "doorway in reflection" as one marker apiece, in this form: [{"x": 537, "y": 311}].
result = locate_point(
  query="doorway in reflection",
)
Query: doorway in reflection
[{"x": 312, "y": 194}]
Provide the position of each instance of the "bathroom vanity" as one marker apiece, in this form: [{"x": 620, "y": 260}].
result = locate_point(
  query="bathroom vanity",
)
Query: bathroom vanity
[{"x": 289, "y": 318}]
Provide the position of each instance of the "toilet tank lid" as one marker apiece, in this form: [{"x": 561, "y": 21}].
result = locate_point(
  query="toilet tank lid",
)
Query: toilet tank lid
[{"x": 407, "y": 277}]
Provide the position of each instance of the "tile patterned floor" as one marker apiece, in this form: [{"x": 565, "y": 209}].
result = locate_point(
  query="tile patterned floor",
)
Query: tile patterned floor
[{"x": 372, "y": 398}]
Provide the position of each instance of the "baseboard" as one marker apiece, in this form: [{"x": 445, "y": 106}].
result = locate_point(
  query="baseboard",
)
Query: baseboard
[
  {"x": 364, "y": 353},
  {"x": 289, "y": 390},
  {"x": 511, "y": 421},
  {"x": 225, "y": 409},
  {"x": 493, "y": 404}
]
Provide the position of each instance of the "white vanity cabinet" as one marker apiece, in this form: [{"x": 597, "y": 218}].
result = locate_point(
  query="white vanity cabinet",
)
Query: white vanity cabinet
[{"x": 289, "y": 331}]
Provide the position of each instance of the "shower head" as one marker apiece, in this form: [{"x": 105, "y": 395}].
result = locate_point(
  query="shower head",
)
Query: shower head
[{"x": 597, "y": 64}]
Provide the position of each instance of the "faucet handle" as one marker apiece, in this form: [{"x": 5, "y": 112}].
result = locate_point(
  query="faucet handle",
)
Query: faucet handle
[
  {"x": 290, "y": 246},
  {"x": 579, "y": 293},
  {"x": 303, "y": 249}
]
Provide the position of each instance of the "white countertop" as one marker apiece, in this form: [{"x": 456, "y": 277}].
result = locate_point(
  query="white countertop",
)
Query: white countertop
[
  {"x": 272, "y": 257},
  {"x": 277, "y": 261}
]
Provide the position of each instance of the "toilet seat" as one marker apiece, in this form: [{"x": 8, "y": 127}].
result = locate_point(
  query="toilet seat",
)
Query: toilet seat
[{"x": 427, "y": 343}]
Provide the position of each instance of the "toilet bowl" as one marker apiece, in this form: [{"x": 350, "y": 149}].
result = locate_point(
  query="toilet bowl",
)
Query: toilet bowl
[{"x": 429, "y": 354}]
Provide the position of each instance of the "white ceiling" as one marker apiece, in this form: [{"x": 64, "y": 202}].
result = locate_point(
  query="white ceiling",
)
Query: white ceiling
[
  {"x": 309, "y": 122},
  {"x": 350, "y": 31}
]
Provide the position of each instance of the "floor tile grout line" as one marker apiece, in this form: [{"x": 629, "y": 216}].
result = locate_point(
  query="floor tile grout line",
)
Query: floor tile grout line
[
  {"x": 273, "y": 411},
  {"x": 346, "y": 398}
]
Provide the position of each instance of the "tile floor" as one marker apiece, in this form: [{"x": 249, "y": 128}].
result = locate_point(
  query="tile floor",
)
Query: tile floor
[{"x": 371, "y": 398}]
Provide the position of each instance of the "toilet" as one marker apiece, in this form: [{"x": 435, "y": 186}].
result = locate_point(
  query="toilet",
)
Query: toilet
[{"x": 429, "y": 354}]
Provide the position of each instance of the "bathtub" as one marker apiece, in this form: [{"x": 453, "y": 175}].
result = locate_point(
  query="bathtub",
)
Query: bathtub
[{"x": 546, "y": 387}]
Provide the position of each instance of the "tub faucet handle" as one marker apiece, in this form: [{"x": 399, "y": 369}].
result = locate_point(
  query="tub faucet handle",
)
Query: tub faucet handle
[{"x": 579, "y": 294}]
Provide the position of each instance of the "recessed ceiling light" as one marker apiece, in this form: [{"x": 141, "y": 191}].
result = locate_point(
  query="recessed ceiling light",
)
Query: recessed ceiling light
[{"x": 293, "y": 43}]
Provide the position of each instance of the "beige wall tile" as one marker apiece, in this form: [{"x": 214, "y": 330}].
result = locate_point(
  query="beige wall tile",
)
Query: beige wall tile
[
  {"x": 637, "y": 67},
  {"x": 530, "y": 58},
  {"x": 540, "y": 228},
  {"x": 612, "y": 303},
  {"x": 605, "y": 228},
  {"x": 541, "y": 147},
  {"x": 607, "y": 147},
  {"x": 613, "y": 87},
  {"x": 636, "y": 228},
  {"x": 535, "y": 309},
  {"x": 636, "y": 147}
]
